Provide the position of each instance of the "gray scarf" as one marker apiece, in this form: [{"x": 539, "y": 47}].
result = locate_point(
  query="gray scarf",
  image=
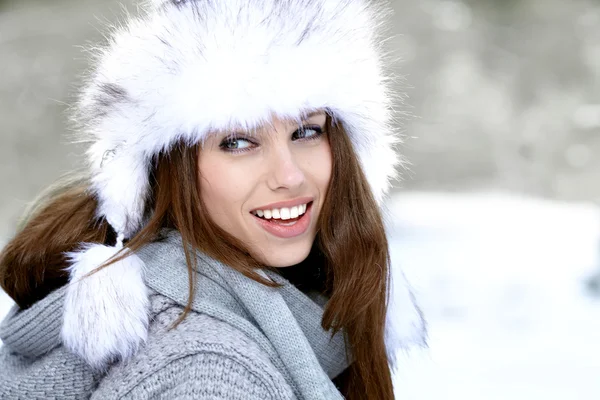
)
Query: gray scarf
[{"x": 285, "y": 322}]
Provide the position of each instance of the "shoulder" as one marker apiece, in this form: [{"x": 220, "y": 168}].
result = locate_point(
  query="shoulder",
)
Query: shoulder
[{"x": 202, "y": 358}]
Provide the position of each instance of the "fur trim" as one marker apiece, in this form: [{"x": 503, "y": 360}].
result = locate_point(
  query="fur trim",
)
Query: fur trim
[
  {"x": 106, "y": 314},
  {"x": 184, "y": 69}
]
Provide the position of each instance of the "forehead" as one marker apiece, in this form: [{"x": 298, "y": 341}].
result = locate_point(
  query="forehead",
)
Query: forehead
[{"x": 274, "y": 122}]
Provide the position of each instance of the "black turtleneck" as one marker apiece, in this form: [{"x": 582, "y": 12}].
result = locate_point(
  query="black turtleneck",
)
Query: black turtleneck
[{"x": 308, "y": 275}]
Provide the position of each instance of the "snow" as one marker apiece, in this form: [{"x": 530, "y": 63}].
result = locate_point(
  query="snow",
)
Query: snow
[{"x": 501, "y": 281}]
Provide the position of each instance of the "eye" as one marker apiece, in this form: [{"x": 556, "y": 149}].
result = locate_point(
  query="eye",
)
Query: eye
[
  {"x": 308, "y": 132},
  {"x": 235, "y": 144}
]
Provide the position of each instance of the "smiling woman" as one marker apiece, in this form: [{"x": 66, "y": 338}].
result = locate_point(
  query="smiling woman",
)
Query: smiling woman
[
  {"x": 228, "y": 241},
  {"x": 274, "y": 209}
]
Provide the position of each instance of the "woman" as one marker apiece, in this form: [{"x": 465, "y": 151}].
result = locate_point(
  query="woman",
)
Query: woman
[{"x": 228, "y": 242}]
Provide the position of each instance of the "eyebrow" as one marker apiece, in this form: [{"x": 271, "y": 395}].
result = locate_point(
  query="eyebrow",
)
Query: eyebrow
[{"x": 313, "y": 113}]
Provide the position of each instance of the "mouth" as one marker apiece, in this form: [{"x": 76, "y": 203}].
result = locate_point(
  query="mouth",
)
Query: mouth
[
  {"x": 283, "y": 214},
  {"x": 285, "y": 222}
]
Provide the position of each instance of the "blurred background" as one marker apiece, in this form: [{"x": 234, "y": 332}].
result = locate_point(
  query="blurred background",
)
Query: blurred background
[{"x": 496, "y": 222}]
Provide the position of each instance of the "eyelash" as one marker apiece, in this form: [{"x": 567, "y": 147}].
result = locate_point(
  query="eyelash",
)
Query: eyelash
[{"x": 319, "y": 132}]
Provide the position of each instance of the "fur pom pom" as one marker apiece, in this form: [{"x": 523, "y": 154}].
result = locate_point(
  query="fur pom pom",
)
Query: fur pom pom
[
  {"x": 405, "y": 327},
  {"x": 106, "y": 313}
]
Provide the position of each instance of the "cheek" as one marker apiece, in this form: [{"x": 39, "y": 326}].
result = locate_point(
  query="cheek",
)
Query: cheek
[
  {"x": 321, "y": 166},
  {"x": 221, "y": 190}
]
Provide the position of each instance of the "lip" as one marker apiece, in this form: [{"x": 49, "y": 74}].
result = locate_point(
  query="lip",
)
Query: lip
[
  {"x": 287, "y": 232},
  {"x": 287, "y": 203}
]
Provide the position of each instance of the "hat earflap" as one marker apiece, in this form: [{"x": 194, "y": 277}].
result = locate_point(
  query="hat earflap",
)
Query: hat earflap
[{"x": 106, "y": 313}]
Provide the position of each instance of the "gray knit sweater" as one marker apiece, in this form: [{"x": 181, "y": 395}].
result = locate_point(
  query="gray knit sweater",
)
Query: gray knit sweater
[{"x": 241, "y": 341}]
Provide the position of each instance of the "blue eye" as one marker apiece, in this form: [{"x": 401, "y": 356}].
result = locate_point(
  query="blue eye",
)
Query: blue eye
[
  {"x": 233, "y": 144},
  {"x": 308, "y": 132}
]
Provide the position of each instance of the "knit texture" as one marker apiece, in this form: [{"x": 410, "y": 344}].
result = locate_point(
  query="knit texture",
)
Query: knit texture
[
  {"x": 33, "y": 364},
  {"x": 203, "y": 358},
  {"x": 242, "y": 340}
]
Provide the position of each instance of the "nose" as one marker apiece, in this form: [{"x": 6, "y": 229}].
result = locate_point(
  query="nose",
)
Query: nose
[{"x": 285, "y": 171}]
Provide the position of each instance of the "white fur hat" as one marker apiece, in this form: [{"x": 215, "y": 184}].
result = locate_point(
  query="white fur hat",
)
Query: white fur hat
[{"x": 186, "y": 67}]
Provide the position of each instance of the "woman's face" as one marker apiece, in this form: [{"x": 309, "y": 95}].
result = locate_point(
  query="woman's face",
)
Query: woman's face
[{"x": 267, "y": 188}]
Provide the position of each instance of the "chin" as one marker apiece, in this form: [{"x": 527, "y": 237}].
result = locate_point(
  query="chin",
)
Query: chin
[{"x": 282, "y": 258}]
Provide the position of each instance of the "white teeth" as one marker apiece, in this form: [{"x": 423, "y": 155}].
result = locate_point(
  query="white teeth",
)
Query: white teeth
[
  {"x": 283, "y": 213},
  {"x": 301, "y": 209},
  {"x": 294, "y": 212}
]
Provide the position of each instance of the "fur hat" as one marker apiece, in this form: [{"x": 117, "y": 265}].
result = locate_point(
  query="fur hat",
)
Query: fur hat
[{"x": 186, "y": 67}]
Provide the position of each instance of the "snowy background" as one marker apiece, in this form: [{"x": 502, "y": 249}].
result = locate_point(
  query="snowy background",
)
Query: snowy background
[
  {"x": 496, "y": 222},
  {"x": 502, "y": 281}
]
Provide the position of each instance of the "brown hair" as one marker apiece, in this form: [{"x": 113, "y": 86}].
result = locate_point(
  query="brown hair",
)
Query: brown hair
[{"x": 351, "y": 239}]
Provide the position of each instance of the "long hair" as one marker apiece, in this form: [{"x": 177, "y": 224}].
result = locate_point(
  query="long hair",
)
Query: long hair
[{"x": 351, "y": 239}]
